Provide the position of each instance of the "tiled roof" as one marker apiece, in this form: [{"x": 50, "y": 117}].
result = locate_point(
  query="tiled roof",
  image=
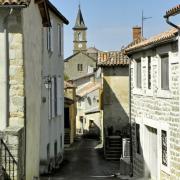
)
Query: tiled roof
[
  {"x": 160, "y": 38},
  {"x": 92, "y": 86},
  {"x": 113, "y": 58},
  {"x": 81, "y": 77},
  {"x": 92, "y": 50},
  {"x": 173, "y": 11},
  {"x": 68, "y": 85},
  {"x": 15, "y": 2}
]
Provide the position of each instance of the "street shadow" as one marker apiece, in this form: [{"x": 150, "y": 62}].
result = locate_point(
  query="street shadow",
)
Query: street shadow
[{"x": 115, "y": 101}]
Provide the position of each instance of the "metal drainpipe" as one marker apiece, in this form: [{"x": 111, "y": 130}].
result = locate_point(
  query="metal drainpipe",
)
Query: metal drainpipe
[{"x": 131, "y": 143}]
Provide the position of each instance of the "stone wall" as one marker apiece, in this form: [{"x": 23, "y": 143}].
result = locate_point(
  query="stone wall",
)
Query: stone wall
[
  {"x": 155, "y": 109},
  {"x": 115, "y": 97}
]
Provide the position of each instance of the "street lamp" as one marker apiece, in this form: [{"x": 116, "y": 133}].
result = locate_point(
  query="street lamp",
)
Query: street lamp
[{"x": 47, "y": 82}]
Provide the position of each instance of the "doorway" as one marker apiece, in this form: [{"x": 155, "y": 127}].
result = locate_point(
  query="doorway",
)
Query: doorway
[
  {"x": 151, "y": 152},
  {"x": 66, "y": 118}
]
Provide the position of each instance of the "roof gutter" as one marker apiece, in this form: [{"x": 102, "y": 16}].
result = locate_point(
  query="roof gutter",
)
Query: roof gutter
[
  {"x": 150, "y": 46},
  {"x": 171, "y": 23},
  {"x": 13, "y": 6}
]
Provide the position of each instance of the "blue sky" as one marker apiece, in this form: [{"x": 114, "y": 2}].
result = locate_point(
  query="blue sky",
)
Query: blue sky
[{"x": 110, "y": 22}]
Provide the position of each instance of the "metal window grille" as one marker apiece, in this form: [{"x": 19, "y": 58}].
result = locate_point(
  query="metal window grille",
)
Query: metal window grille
[{"x": 164, "y": 147}]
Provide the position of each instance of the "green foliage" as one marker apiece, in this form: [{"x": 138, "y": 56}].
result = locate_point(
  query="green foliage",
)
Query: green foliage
[{"x": 66, "y": 77}]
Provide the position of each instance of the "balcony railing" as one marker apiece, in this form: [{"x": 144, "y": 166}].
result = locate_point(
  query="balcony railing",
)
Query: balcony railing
[{"x": 8, "y": 163}]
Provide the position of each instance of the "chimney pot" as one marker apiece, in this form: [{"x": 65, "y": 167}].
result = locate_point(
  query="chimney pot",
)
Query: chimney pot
[{"x": 136, "y": 33}]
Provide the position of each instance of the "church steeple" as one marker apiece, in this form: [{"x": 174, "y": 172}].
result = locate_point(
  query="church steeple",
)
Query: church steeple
[
  {"x": 80, "y": 33},
  {"x": 79, "y": 20}
]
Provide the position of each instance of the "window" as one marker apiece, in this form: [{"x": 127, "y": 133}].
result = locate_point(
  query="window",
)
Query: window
[
  {"x": 138, "y": 73},
  {"x": 55, "y": 150},
  {"x": 80, "y": 67},
  {"x": 79, "y": 36},
  {"x": 61, "y": 141},
  {"x": 48, "y": 152},
  {"x": 59, "y": 96},
  {"x": 149, "y": 72},
  {"x": 55, "y": 96},
  {"x": 50, "y": 37},
  {"x": 165, "y": 72},
  {"x": 164, "y": 147},
  {"x": 50, "y": 102},
  {"x": 60, "y": 40},
  {"x": 138, "y": 144}
]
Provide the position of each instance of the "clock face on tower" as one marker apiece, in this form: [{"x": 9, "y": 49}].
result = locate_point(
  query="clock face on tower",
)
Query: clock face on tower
[{"x": 80, "y": 45}]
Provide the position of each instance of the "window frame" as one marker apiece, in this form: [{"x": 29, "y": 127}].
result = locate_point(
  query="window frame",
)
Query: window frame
[
  {"x": 136, "y": 90},
  {"x": 164, "y": 168},
  {"x": 161, "y": 93},
  {"x": 80, "y": 67},
  {"x": 60, "y": 40},
  {"x": 50, "y": 38}
]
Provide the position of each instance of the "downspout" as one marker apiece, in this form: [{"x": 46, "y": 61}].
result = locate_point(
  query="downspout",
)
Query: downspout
[{"x": 131, "y": 143}]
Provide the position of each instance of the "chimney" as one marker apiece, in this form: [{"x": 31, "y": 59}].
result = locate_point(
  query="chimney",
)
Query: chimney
[{"x": 136, "y": 33}]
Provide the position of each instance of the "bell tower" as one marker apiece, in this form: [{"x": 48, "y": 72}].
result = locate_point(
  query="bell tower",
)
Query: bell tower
[{"x": 80, "y": 41}]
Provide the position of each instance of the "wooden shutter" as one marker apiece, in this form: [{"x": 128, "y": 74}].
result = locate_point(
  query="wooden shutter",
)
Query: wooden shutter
[
  {"x": 60, "y": 39},
  {"x": 51, "y": 37},
  {"x": 59, "y": 95},
  {"x": 53, "y": 95}
]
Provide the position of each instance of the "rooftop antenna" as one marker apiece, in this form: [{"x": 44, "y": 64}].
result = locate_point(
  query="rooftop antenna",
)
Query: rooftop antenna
[{"x": 143, "y": 19}]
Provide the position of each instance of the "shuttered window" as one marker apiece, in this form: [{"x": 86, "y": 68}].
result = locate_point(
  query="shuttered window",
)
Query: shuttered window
[
  {"x": 165, "y": 72},
  {"x": 149, "y": 72},
  {"x": 59, "y": 96},
  {"x": 60, "y": 39},
  {"x": 52, "y": 99},
  {"x": 50, "y": 37},
  {"x": 55, "y": 96},
  {"x": 138, "y": 73}
]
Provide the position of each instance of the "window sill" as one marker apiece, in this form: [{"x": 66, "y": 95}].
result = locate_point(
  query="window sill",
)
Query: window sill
[
  {"x": 149, "y": 92},
  {"x": 138, "y": 91},
  {"x": 166, "y": 94},
  {"x": 165, "y": 169}
]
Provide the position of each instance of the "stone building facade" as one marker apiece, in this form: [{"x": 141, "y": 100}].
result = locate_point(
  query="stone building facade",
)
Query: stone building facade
[
  {"x": 115, "y": 82},
  {"x": 154, "y": 112}
]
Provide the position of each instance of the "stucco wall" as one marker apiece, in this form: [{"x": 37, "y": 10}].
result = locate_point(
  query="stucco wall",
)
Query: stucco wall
[
  {"x": 32, "y": 32},
  {"x": 116, "y": 97},
  {"x": 52, "y": 130},
  {"x": 159, "y": 111},
  {"x": 71, "y": 65}
]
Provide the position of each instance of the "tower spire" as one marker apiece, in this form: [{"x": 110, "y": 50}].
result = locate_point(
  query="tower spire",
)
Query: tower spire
[
  {"x": 79, "y": 20},
  {"x": 80, "y": 41}
]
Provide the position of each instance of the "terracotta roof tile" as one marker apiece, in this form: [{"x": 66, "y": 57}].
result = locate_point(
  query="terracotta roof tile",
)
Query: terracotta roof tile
[
  {"x": 15, "y": 2},
  {"x": 112, "y": 58},
  {"x": 162, "y": 37},
  {"x": 173, "y": 11},
  {"x": 68, "y": 85},
  {"x": 92, "y": 86}
]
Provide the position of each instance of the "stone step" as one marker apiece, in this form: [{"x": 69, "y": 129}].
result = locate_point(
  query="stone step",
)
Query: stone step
[{"x": 112, "y": 159}]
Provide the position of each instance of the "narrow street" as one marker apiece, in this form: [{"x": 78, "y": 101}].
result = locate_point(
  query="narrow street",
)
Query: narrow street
[{"x": 83, "y": 161}]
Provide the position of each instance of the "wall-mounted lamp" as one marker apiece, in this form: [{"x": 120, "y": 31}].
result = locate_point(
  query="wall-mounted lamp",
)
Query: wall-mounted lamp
[{"x": 47, "y": 82}]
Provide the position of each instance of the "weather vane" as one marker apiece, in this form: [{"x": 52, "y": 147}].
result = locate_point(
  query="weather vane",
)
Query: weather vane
[{"x": 143, "y": 19}]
